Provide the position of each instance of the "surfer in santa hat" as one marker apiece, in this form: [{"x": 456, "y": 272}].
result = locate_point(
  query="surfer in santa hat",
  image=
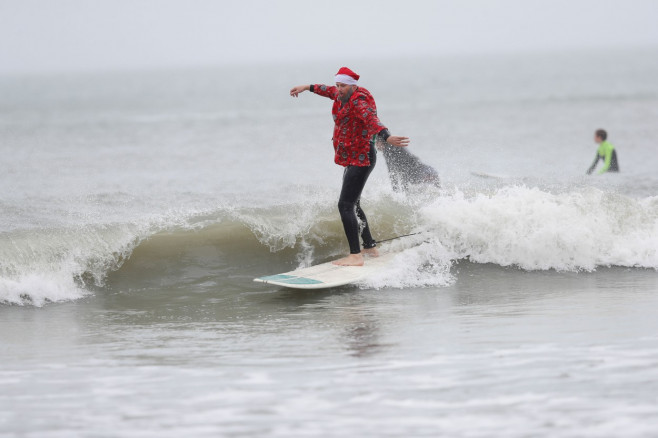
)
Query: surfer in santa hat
[{"x": 356, "y": 130}]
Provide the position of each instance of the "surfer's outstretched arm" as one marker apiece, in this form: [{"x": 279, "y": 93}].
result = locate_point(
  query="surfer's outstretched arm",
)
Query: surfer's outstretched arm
[
  {"x": 593, "y": 166},
  {"x": 295, "y": 91},
  {"x": 321, "y": 90}
]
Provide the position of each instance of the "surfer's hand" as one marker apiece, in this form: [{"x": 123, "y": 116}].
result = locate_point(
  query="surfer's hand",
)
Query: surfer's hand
[
  {"x": 298, "y": 89},
  {"x": 396, "y": 140}
]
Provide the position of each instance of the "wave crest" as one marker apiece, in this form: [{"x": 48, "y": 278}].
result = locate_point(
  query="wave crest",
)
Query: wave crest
[{"x": 538, "y": 230}]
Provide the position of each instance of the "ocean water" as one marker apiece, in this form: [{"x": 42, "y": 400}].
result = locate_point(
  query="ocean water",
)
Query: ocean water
[{"x": 137, "y": 207}]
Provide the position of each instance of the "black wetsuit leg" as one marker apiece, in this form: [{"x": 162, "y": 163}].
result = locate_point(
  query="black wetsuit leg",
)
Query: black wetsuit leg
[{"x": 354, "y": 180}]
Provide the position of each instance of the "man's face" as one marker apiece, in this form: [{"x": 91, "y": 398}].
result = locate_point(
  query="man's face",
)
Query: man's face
[
  {"x": 345, "y": 91},
  {"x": 597, "y": 139}
]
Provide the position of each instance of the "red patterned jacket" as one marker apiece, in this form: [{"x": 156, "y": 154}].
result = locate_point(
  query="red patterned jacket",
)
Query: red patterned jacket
[{"x": 356, "y": 123}]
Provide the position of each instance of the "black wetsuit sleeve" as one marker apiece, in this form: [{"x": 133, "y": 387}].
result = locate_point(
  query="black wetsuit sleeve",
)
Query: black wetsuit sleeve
[
  {"x": 384, "y": 134},
  {"x": 593, "y": 166}
]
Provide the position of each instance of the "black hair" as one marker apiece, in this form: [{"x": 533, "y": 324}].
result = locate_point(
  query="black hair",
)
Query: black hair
[{"x": 601, "y": 134}]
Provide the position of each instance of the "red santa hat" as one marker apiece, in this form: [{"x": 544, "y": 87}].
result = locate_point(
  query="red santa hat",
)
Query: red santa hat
[{"x": 346, "y": 76}]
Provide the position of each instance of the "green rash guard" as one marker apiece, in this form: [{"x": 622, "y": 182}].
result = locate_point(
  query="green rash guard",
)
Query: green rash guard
[{"x": 606, "y": 152}]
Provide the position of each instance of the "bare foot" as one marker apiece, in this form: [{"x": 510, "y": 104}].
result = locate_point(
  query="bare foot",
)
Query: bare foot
[
  {"x": 370, "y": 252},
  {"x": 350, "y": 260}
]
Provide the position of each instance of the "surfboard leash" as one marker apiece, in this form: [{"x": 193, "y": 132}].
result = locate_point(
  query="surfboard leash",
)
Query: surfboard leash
[{"x": 398, "y": 237}]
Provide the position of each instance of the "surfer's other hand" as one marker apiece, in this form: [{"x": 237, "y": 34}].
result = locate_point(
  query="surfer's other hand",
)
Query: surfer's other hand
[{"x": 396, "y": 140}]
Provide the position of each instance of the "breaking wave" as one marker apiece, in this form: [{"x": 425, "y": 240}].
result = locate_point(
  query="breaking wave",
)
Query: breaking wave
[{"x": 525, "y": 227}]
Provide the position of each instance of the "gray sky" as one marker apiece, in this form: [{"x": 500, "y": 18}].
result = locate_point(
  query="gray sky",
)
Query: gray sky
[{"x": 71, "y": 35}]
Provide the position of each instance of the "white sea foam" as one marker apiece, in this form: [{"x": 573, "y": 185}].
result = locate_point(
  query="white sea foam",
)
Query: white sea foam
[
  {"x": 38, "y": 290},
  {"x": 427, "y": 264},
  {"x": 537, "y": 230},
  {"x": 527, "y": 227},
  {"x": 53, "y": 265}
]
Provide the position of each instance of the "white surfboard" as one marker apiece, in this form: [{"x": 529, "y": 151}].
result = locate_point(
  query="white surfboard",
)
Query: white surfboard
[
  {"x": 490, "y": 175},
  {"x": 327, "y": 274}
]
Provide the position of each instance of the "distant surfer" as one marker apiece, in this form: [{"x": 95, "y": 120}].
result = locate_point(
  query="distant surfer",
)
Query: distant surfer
[
  {"x": 356, "y": 129},
  {"x": 606, "y": 152},
  {"x": 406, "y": 170}
]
